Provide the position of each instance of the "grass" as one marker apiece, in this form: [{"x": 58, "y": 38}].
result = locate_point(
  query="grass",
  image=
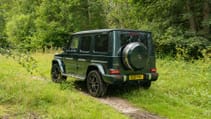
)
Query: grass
[
  {"x": 23, "y": 95},
  {"x": 181, "y": 92}
]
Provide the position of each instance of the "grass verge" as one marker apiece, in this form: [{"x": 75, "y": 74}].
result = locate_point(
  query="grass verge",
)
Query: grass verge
[
  {"x": 23, "y": 95},
  {"x": 181, "y": 92}
]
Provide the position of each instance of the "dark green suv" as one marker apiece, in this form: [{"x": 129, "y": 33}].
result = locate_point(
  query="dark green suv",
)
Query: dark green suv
[{"x": 107, "y": 56}]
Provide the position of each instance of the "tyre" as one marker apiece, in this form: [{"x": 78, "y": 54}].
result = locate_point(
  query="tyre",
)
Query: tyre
[
  {"x": 134, "y": 56},
  {"x": 146, "y": 84},
  {"x": 95, "y": 84},
  {"x": 56, "y": 74}
]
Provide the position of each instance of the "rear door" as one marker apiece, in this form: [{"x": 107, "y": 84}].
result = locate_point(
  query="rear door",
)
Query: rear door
[
  {"x": 84, "y": 56},
  {"x": 134, "y": 50},
  {"x": 70, "y": 59}
]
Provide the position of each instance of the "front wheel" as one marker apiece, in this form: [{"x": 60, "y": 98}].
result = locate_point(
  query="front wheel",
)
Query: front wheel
[
  {"x": 56, "y": 74},
  {"x": 95, "y": 84}
]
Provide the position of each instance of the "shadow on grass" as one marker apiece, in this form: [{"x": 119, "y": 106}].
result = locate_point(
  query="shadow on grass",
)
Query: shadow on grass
[{"x": 113, "y": 90}]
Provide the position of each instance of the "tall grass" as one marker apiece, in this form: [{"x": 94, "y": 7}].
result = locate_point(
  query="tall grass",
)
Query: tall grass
[
  {"x": 181, "y": 92},
  {"x": 23, "y": 95}
]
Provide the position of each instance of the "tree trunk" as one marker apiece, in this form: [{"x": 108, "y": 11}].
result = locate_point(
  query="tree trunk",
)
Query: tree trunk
[
  {"x": 206, "y": 11},
  {"x": 192, "y": 24},
  {"x": 88, "y": 13}
]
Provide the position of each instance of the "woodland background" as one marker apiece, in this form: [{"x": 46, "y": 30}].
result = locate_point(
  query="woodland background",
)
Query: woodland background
[
  {"x": 181, "y": 30},
  {"x": 179, "y": 27}
]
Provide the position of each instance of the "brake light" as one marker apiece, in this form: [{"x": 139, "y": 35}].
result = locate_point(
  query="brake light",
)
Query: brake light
[
  {"x": 114, "y": 71},
  {"x": 153, "y": 70}
]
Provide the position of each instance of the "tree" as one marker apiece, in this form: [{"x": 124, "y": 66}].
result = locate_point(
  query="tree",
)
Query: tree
[
  {"x": 206, "y": 23},
  {"x": 34, "y": 24},
  {"x": 57, "y": 18}
]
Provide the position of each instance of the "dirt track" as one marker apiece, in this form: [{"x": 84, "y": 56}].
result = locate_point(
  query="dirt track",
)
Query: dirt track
[
  {"x": 125, "y": 107},
  {"x": 121, "y": 105}
]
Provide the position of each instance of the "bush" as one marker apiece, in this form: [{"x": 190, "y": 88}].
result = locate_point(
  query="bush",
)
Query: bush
[
  {"x": 19, "y": 29},
  {"x": 173, "y": 42}
]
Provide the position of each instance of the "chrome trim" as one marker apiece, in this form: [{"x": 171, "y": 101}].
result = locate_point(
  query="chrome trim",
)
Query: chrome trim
[
  {"x": 98, "y": 61},
  {"x": 69, "y": 58},
  {"x": 127, "y": 49},
  {"x": 124, "y": 78},
  {"x": 114, "y": 43},
  {"x": 150, "y": 76},
  {"x": 57, "y": 57},
  {"x": 74, "y": 76},
  {"x": 82, "y": 60}
]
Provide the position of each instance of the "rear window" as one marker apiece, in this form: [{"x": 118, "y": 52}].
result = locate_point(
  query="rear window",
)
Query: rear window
[
  {"x": 85, "y": 43},
  {"x": 101, "y": 43},
  {"x": 128, "y": 37}
]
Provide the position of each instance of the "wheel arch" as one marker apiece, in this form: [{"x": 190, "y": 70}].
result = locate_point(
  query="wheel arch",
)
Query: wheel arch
[
  {"x": 60, "y": 63},
  {"x": 97, "y": 67}
]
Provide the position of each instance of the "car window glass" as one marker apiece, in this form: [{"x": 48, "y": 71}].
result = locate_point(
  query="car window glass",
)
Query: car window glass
[
  {"x": 128, "y": 37},
  {"x": 101, "y": 43},
  {"x": 85, "y": 43},
  {"x": 74, "y": 44}
]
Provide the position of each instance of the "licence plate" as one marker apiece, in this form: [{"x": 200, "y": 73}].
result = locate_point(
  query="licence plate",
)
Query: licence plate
[{"x": 136, "y": 77}]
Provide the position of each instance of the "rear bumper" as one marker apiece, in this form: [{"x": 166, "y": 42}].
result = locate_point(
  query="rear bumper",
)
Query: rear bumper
[{"x": 117, "y": 79}]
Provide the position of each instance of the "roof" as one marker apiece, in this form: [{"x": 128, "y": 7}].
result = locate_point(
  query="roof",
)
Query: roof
[{"x": 103, "y": 30}]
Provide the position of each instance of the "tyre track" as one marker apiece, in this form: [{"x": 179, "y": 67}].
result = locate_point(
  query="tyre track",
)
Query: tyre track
[{"x": 119, "y": 104}]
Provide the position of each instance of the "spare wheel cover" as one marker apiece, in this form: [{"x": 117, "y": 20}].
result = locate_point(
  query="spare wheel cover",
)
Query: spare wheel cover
[{"x": 135, "y": 56}]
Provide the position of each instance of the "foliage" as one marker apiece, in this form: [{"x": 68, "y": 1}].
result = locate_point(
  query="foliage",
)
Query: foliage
[
  {"x": 18, "y": 31},
  {"x": 35, "y": 24},
  {"x": 174, "y": 43},
  {"x": 173, "y": 22},
  {"x": 23, "y": 58}
]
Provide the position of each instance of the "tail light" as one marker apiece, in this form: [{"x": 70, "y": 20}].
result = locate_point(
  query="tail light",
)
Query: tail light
[
  {"x": 114, "y": 71},
  {"x": 153, "y": 70}
]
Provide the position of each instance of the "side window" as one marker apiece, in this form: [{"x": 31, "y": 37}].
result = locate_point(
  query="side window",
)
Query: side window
[
  {"x": 74, "y": 44},
  {"x": 85, "y": 43},
  {"x": 101, "y": 43}
]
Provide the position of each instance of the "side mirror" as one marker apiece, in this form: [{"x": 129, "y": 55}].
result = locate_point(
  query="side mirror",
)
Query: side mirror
[{"x": 64, "y": 48}]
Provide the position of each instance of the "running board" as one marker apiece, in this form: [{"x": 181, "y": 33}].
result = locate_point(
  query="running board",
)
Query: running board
[{"x": 74, "y": 76}]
